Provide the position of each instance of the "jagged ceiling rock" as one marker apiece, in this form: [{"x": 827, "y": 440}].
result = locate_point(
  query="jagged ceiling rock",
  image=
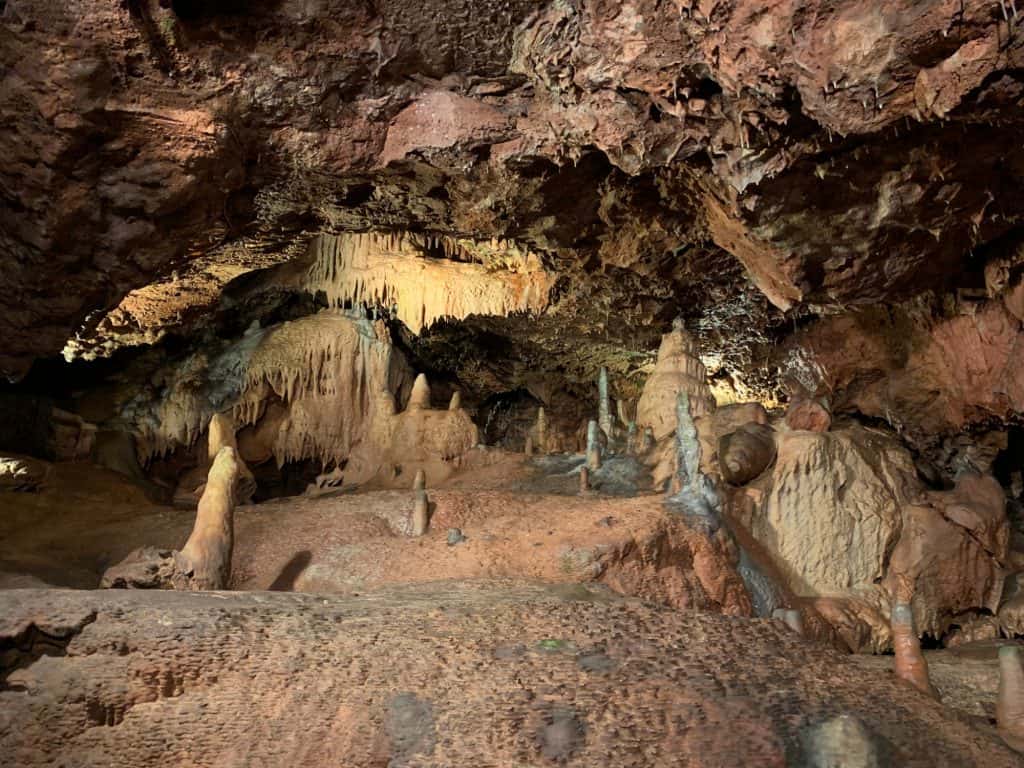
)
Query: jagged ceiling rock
[{"x": 656, "y": 157}]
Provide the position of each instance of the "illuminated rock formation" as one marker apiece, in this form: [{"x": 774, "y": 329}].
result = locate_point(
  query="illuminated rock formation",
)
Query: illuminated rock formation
[
  {"x": 678, "y": 369},
  {"x": 593, "y": 446},
  {"x": 205, "y": 560},
  {"x": 395, "y": 272},
  {"x": 420, "y": 513},
  {"x": 22, "y": 473},
  {"x": 220, "y": 434},
  {"x": 420, "y": 397}
]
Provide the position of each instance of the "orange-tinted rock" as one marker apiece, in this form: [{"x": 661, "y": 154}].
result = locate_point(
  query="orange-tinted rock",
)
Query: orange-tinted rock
[
  {"x": 456, "y": 674},
  {"x": 810, "y": 415}
]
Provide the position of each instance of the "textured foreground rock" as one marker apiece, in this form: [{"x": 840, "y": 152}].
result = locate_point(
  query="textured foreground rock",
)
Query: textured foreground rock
[{"x": 453, "y": 674}]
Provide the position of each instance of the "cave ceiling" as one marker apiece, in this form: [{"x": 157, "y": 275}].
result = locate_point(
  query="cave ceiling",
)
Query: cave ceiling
[{"x": 754, "y": 167}]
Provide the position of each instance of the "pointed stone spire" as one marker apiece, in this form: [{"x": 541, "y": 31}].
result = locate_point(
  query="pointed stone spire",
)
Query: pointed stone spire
[
  {"x": 208, "y": 549},
  {"x": 542, "y": 430},
  {"x": 420, "y": 513},
  {"x": 584, "y": 479},
  {"x": 456, "y": 401},
  {"x": 593, "y": 446},
  {"x": 419, "y": 482},
  {"x": 604, "y": 413},
  {"x": 528, "y": 450},
  {"x": 909, "y": 663},
  {"x": 420, "y": 397}
]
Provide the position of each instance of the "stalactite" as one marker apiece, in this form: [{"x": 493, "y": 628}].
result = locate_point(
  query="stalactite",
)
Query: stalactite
[{"x": 393, "y": 271}]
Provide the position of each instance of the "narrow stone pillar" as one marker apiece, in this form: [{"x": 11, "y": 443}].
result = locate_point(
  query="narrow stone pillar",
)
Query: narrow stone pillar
[
  {"x": 456, "y": 401},
  {"x": 420, "y": 513},
  {"x": 584, "y": 479},
  {"x": 909, "y": 662},
  {"x": 419, "y": 482},
  {"x": 593, "y": 447}
]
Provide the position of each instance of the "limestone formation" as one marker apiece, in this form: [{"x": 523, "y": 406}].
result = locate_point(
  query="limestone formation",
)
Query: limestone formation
[
  {"x": 909, "y": 663},
  {"x": 392, "y": 269},
  {"x": 808, "y": 414},
  {"x": 208, "y": 549},
  {"x": 456, "y": 401},
  {"x": 420, "y": 397},
  {"x": 678, "y": 369},
  {"x": 593, "y": 446},
  {"x": 419, "y": 482},
  {"x": 791, "y": 618},
  {"x": 1010, "y": 698},
  {"x": 220, "y": 434},
  {"x": 204, "y": 563},
  {"x": 584, "y": 479},
  {"x": 540, "y": 428},
  {"x": 604, "y": 411},
  {"x": 746, "y": 453},
  {"x": 420, "y": 513},
  {"x": 528, "y": 448},
  {"x": 843, "y": 742}
]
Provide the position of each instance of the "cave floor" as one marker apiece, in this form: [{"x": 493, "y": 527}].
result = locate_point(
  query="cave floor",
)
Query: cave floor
[{"x": 517, "y": 518}]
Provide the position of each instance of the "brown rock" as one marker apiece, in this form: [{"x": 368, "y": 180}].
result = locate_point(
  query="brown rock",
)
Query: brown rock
[
  {"x": 22, "y": 473},
  {"x": 909, "y": 663},
  {"x": 810, "y": 415},
  {"x": 746, "y": 453}
]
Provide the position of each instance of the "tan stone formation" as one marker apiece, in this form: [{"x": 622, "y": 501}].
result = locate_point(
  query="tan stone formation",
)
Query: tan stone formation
[
  {"x": 678, "y": 369},
  {"x": 843, "y": 742},
  {"x": 220, "y": 434},
  {"x": 492, "y": 678},
  {"x": 584, "y": 479},
  {"x": 456, "y": 402},
  {"x": 419, "y": 482},
  {"x": 811, "y": 415},
  {"x": 208, "y": 549},
  {"x": 909, "y": 663},
  {"x": 951, "y": 550},
  {"x": 746, "y": 453},
  {"x": 420, "y": 397},
  {"x": 791, "y": 618},
  {"x": 393, "y": 270},
  {"x": 73, "y": 437},
  {"x": 528, "y": 447},
  {"x": 204, "y": 562},
  {"x": 420, "y": 513},
  {"x": 1010, "y": 699},
  {"x": 593, "y": 446}
]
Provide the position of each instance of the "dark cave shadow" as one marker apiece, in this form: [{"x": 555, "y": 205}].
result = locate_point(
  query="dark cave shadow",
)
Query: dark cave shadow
[{"x": 285, "y": 581}]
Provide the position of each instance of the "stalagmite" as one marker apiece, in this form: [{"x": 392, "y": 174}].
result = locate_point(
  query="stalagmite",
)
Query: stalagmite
[
  {"x": 791, "y": 617},
  {"x": 584, "y": 479},
  {"x": 205, "y": 560},
  {"x": 593, "y": 446},
  {"x": 631, "y": 445},
  {"x": 420, "y": 397},
  {"x": 419, "y": 482},
  {"x": 208, "y": 549},
  {"x": 542, "y": 430},
  {"x": 1010, "y": 699},
  {"x": 842, "y": 742},
  {"x": 528, "y": 449},
  {"x": 420, "y": 513},
  {"x": 604, "y": 413},
  {"x": 909, "y": 662},
  {"x": 456, "y": 401}
]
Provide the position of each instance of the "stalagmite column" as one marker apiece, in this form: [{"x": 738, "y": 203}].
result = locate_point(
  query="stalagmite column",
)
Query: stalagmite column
[
  {"x": 584, "y": 479},
  {"x": 456, "y": 401},
  {"x": 419, "y": 483},
  {"x": 791, "y": 618},
  {"x": 208, "y": 550},
  {"x": 687, "y": 444},
  {"x": 528, "y": 450},
  {"x": 909, "y": 662},
  {"x": 1010, "y": 699},
  {"x": 420, "y": 513},
  {"x": 593, "y": 447},
  {"x": 420, "y": 397},
  {"x": 631, "y": 438},
  {"x": 604, "y": 413},
  {"x": 542, "y": 430}
]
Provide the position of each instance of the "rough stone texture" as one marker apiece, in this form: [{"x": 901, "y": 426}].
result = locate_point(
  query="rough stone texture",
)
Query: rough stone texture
[
  {"x": 808, "y": 415},
  {"x": 746, "y": 453},
  {"x": 450, "y": 674},
  {"x": 678, "y": 369}
]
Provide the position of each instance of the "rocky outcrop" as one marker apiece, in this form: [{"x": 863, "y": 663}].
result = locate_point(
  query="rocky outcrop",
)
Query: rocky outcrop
[
  {"x": 848, "y": 525},
  {"x": 746, "y": 453},
  {"x": 22, "y": 473}
]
